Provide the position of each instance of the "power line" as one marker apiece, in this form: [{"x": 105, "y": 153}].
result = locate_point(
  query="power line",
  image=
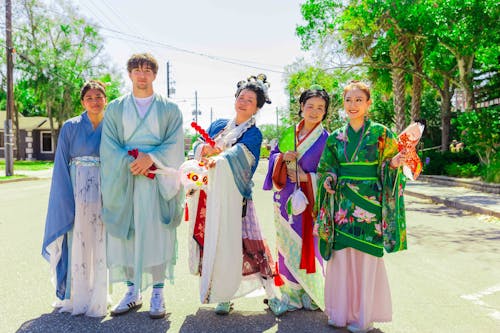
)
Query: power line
[{"x": 147, "y": 41}]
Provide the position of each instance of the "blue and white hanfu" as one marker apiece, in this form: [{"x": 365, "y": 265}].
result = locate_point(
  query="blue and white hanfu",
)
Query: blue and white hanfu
[{"x": 75, "y": 240}]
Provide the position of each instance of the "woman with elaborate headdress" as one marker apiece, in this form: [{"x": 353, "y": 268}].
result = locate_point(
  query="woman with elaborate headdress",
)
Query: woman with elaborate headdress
[
  {"x": 234, "y": 257},
  {"x": 292, "y": 168}
]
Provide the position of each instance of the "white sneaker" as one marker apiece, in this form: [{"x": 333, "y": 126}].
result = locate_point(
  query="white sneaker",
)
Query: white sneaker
[
  {"x": 129, "y": 302},
  {"x": 157, "y": 306}
]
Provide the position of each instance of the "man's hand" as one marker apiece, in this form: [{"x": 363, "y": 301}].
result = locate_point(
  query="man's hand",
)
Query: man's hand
[{"x": 141, "y": 164}]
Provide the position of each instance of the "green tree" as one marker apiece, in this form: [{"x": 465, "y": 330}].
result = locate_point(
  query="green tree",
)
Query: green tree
[
  {"x": 480, "y": 132},
  {"x": 57, "y": 51},
  {"x": 302, "y": 79}
]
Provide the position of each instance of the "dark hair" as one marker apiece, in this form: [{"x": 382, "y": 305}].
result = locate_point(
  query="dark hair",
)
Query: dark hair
[
  {"x": 92, "y": 84},
  {"x": 310, "y": 93},
  {"x": 357, "y": 85},
  {"x": 256, "y": 88},
  {"x": 142, "y": 59}
]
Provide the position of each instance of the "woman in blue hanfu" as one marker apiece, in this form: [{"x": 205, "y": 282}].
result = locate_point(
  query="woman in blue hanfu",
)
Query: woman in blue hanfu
[
  {"x": 292, "y": 167},
  {"x": 74, "y": 242},
  {"x": 234, "y": 257}
]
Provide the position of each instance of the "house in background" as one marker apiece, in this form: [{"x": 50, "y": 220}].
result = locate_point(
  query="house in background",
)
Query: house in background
[{"x": 35, "y": 140}]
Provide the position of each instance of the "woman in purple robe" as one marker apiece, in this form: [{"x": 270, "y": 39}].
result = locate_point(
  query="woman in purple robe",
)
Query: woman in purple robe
[{"x": 292, "y": 167}]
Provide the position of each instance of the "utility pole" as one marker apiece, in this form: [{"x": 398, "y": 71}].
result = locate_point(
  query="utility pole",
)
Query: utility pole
[
  {"x": 196, "y": 106},
  {"x": 168, "y": 79},
  {"x": 211, "y": 114},
  {"x": 8, "y": 145}
]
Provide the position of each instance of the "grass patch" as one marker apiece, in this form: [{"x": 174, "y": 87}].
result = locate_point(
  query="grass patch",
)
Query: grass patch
[
  {"x": 12, "y": 177},
  {"x": 29, "y": 165}
]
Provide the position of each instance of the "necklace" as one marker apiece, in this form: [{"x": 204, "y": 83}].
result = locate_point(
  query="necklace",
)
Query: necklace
[{"x": 359, "y": 143}]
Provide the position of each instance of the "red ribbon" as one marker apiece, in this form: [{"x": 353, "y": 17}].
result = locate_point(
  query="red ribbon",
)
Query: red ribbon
[
  {"x": 307, "y": 258},
  {"x": 199, "y": 225}
]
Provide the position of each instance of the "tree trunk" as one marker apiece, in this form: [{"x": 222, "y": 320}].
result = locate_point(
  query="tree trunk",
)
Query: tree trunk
[
  {"x": 398, "y": 82},
  {"x": 416, "y": 99},
  {"x": 466, "y": 79},
  {"x": 446, "y": 94},
  {"x": 51, "y": 122}
]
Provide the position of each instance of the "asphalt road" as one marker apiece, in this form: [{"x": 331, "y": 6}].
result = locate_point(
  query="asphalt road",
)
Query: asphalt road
[{"x": 448, "y": 280}]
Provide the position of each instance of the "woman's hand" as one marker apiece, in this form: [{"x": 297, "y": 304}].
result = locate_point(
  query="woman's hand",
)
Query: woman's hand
[
  {"x": 209, "y": 162},
  {"x": 316, "y": 230},
  {"x": 290, "y": 156},
  {"x": 141, "y": 164},
  {"x": 328, "y": 185},
  {"x": 398, "y": 160},
  {"x": 208, "y": 150},
  {"x": 292, "y": 174}
]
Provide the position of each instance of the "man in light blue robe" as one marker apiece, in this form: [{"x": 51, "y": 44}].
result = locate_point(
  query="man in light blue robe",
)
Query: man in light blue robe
[{"x": 142, "y": 148}]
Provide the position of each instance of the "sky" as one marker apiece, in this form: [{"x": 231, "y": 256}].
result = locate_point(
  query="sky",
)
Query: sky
[{"x": 257, "y": 33}]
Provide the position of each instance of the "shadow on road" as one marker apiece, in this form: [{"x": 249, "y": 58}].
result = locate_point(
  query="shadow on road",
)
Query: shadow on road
[
  {"x": 205, "y": 320},
  {"x": 64, "y": 322}
]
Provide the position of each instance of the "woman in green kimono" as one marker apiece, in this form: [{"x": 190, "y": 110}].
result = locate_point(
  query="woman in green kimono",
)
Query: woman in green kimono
[{"x": 360, "y": 186}]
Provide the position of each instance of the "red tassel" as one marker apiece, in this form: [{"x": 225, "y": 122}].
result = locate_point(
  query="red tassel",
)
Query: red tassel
[
  {"x": 278, "y": 281},
  {"x": 186, "y": 213}
]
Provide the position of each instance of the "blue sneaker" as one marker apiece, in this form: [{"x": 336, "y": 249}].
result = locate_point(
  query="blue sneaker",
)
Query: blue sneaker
[
  {"x": 277, "y": 307},
  {"x": 223, "y": 308},
  {"x": 308, "y": 303}
]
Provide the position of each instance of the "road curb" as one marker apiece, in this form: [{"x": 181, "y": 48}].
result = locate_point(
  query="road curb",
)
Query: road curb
[
  {"x": 19, "y": 180},
  {"x": 454, "y": 204}
]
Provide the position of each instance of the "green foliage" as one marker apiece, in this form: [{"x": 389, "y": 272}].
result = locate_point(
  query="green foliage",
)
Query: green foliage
[
  {"x": 30, "y": 165},
  {"x": 333, "y": 83},
  {"x": 264, "y": 152},
  {"x": 480, "y": 131},
  {"x": 467, "y": 170},
  {"x": 55, "y": 55},
  {"x": 491, "y": 172},
  {"x": 270, "y": 131},
  {"x": 435, "y": 161}
]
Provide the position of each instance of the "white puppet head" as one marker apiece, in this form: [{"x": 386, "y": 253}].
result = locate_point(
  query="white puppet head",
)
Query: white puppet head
[{"x": 194, "y": 176}]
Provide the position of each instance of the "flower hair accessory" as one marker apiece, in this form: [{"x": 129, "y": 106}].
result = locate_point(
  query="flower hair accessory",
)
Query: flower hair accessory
[{"x": 260, "y": 80}]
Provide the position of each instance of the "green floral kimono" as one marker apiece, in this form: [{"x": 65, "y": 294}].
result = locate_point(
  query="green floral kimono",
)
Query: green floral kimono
[{"x": 367, "y": 208}]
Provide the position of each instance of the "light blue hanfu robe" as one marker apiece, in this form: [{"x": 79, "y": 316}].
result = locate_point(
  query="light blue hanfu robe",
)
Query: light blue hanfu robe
[
  {"x": 141, "y": 214},
  {"x": 74, "y": 239}
]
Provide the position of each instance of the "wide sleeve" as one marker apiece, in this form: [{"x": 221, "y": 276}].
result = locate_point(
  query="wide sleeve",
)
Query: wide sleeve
[
  {"x": 61, "y": 208},
  {"x": 170, "y": 152},
  {"x": 393, "y": 207},
  {"x": 116, "y": 178},
  {"x": 275, "y": 157},
  {"x": 328, "y": 167},
  {"x": 60, "y": 212}
]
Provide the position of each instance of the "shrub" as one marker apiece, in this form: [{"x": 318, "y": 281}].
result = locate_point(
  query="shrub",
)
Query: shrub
[{"x": 436, "y": 162}]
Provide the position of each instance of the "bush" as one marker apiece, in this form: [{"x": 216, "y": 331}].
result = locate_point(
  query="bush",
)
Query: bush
[
  {"x": 264, "y": 152},
  {"x": 491, "y": 172},
  {"x": 436, "y": 162},
  {"x": 467, "y": 170}
]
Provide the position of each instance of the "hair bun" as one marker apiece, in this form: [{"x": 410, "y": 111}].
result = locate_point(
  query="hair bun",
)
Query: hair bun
[{"x": 260, "y": 80}]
